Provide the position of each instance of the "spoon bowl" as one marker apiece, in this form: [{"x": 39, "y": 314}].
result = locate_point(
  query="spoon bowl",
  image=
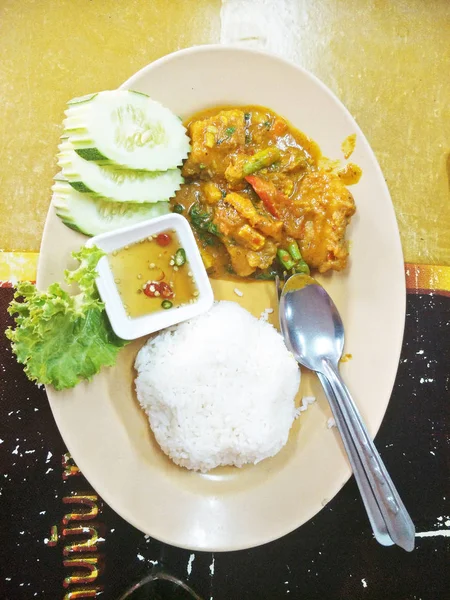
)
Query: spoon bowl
[{"x": 318, "y": 333}]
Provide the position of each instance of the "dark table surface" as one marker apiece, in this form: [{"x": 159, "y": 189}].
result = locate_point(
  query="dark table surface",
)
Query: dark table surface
[{"x": 333, "y": 556}]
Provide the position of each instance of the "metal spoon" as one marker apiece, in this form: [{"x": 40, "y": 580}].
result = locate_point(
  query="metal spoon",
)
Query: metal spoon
[
  {"x": 313, "y": 331},
  {"x": 370, "y": 503}
]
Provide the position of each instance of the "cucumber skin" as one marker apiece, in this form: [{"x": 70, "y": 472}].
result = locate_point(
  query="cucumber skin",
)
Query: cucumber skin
[
  {"x": 79, "y": 186},
  {"x": 72, "y": 225},
  {"x": 89, "y": 97},
  {"x": 81, "y": 99},
  {"x": 140, "y": 93},
  {"x": 90, "y": 154}
]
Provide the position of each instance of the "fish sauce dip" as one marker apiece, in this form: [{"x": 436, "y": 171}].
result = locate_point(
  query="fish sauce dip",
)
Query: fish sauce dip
[{"x": 153, "y": 274}]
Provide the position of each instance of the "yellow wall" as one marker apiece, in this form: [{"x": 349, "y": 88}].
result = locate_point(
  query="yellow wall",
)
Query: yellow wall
[{"x": 388, "y": 62}]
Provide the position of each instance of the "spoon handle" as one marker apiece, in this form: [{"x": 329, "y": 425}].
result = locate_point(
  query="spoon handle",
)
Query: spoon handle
[
  {"x": 398, "y": 522},
  {"x": 373, "y": 510}
]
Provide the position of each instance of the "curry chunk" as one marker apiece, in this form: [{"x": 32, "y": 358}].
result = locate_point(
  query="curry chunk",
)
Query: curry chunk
[
  {"x": 239, "y": 259},
  {"x": 243, "y": 205},
  {"x": 251, "y": 238},
  {"x": 264, "y": 258},
  {"x": 245, "y": 262},
  {"x": 227, "y": 218},
  {"x": 234, "y": 173},
  {"x": 213, "y": 140},
  {"x": 212, "y": 192},
  {"x": 327, "y": 206},
  {"x": 245, "y": 208},
  {"x": 269, "y": 226},
  {"x": 245, "y": 234}
]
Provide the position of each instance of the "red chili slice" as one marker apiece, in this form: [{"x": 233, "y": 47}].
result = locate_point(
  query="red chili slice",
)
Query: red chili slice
[
  {"x": 268, "y": 193},
  {"x": 155, "y": 289},
  {"x": 165, "y": 290},
  {"x": 150, "y": 288},
  {"x": 163, "y": 239}
]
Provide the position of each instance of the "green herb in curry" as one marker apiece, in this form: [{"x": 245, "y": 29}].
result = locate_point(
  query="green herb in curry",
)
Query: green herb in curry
[{"x": 202, "y": 220}]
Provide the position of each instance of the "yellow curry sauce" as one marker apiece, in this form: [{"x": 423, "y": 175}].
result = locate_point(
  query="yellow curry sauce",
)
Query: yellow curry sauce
[
  {"x": 255, "y": 188},
  {"x": 153, "y": 274},
  {"x": 348, "y": 145}
]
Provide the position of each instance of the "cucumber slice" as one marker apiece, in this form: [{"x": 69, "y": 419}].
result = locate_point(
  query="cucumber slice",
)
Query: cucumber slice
[
  {"x": 92, "y": 216},
  {"x": 127, "y": 128},
  {"x": 111, "y": 182}
]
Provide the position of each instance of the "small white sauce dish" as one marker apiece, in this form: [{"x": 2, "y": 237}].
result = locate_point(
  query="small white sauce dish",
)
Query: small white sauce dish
[{"x": 131, "y": 328}]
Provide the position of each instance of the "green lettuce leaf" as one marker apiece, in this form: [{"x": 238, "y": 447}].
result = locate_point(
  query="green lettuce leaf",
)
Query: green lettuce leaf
[{"x": 63, "y": 339}]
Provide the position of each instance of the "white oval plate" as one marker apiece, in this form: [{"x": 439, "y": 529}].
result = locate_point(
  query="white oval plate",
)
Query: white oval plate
[{"x": 101, "y": 422}]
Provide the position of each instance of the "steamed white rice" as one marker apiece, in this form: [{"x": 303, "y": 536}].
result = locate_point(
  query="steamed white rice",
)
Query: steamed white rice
[{"x": 219, "y": 389}]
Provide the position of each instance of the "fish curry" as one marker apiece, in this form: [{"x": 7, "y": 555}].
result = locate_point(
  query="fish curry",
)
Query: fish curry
[{"x": 257, "y": 198}]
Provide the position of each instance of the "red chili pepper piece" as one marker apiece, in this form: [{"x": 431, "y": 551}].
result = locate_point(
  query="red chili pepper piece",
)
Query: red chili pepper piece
[
  {"x": 155, "y": 289},
  {"x": 267, "y": 192},
  {"x": 165, "y": 290},
  {"x": 163, "y": 239},
  {"x": 150, "y": 288}
]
